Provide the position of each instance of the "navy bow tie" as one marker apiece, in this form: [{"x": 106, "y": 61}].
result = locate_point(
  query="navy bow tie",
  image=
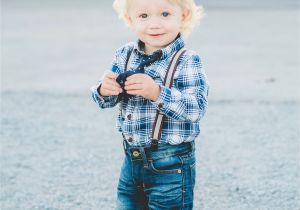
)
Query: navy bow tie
[{"x": 146, "y": 60}]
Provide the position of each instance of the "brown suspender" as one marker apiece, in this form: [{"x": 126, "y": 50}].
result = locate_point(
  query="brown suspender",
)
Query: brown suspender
[{"x": 159, "y": 118}]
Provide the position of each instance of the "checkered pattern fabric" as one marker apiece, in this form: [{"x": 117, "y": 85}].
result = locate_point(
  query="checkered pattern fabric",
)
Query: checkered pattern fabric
[{"x": 183, "y": 105}]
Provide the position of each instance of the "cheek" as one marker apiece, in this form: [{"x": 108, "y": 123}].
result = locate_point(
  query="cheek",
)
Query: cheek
[
  {"x": 173, "y": 26},
  {"x": 140, "y": 26},
  {"x": 137, "y": 28}
]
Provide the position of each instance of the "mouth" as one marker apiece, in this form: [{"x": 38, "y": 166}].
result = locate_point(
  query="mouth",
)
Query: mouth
[{"x": 155, "y": 35}]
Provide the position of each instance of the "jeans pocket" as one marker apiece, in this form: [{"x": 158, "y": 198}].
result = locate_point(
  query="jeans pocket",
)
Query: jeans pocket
[{"x": 167, "y": 165}]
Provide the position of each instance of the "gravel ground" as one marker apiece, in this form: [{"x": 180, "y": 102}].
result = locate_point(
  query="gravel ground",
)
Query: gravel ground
[
  {"x": 59, "y": 151},
  {"x": 59, "y": 156}
]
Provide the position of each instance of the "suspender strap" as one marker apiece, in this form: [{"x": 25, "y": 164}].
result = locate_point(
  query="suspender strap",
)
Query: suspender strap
[
  {"x": 128, "y": 59},
  {"x": 159, "y": 118}
]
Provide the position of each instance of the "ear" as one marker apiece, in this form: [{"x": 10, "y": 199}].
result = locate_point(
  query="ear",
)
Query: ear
[
  {"x": 185, "y": 15},
  {"x": 128, "y": 19}
]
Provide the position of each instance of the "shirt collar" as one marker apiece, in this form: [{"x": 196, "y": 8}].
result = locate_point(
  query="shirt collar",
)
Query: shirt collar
[{"x": 173, "y": 47}]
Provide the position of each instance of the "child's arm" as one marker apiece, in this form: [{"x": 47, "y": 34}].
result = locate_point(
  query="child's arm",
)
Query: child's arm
[
  {"x": 187, "y": 99},
  {"x": 106, "y": 92}
]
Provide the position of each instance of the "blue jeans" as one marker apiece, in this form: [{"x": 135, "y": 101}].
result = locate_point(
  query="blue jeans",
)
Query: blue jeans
[{"x": 154, "y": 180}]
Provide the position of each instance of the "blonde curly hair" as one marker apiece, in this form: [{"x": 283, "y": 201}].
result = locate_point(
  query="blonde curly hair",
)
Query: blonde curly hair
[{"x": 196, "y": 13}]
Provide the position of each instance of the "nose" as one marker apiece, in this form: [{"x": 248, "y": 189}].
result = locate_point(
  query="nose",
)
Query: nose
[{"x": 154, "y": 23}]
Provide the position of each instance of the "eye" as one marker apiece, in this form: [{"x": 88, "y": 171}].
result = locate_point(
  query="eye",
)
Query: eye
[
  {"x": 165, "y": 14},
  {"x": 144, "y": 15}
]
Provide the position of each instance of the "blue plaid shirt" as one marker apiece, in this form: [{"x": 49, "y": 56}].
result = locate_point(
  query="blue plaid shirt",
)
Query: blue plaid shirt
[{"x": 183, "y": 105}]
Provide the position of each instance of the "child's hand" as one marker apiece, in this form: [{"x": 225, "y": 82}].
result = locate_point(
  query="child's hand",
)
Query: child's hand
[
  {"x": 144, "y": 85},
  {"x": 109, "y": 86}
]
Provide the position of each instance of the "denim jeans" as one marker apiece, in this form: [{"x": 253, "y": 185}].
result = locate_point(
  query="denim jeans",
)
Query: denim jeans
[{"x": 162, "y": 179}]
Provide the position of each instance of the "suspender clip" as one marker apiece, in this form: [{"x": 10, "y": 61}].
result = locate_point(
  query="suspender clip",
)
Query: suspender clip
[{"x": 154, "y": 144}]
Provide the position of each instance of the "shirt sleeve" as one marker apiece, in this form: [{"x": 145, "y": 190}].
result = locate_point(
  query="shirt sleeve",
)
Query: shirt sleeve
[
  {"x": 116, "y": 67},
  {"x": 187, "y": 98},
  {"x": 103, "y": 101}
]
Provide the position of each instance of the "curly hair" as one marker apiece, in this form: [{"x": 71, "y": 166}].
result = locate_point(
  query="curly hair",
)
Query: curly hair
[{"x": 194, "y": 17}]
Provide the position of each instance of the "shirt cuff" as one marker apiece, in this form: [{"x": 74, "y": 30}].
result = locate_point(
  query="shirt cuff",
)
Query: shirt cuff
[
  {"x": 100, "y": 98},
  {"x": 95, "y": 92},
  {"x": 164, "y": 97}
]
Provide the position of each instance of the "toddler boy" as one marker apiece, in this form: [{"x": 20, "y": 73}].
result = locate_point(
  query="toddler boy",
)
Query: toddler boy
[{"x": 156, "y": 173}]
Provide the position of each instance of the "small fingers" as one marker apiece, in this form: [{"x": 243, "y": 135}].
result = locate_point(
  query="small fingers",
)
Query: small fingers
[
  {"x": 112, "y": 89},
  {"x": 131, "y": 82},
  {"x": 133, "y": 87},
  {"x": 136, "y": 77},
  {"x": 112, "y": 92},
  {"x": 112, "y": 75},
  {"x": 112, "y": 83},
  {"x": 133, "y": 92}
]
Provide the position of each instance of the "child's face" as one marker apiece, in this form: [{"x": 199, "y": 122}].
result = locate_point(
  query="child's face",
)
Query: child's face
[{"x": 156, "y": 22}]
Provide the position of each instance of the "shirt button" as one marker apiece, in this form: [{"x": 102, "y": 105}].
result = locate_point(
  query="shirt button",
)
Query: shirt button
[
  {"x": 129, "y": 117},
  {"x": 130, "y": 139},
  {"x": 160, "y": 105}
]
